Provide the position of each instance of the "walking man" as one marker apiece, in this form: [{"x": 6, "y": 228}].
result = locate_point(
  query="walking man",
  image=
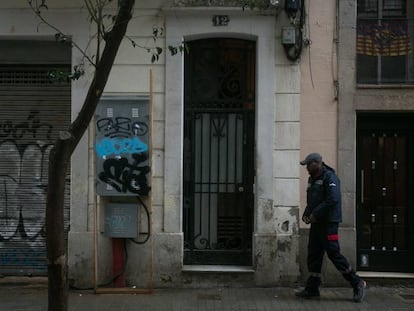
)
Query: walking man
[{"x": 323, "y": 212}]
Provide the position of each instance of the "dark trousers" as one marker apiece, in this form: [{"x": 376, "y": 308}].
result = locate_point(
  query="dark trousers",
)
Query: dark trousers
[{"x": 323, "y": 237}]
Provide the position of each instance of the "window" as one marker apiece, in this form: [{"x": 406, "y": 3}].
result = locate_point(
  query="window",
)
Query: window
[{"x": 385, "y": 42}]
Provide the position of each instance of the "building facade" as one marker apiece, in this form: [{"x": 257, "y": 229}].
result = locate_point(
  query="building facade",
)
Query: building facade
[
  {"x": 375, "y": 131},
  {"x": 189, "y": 174}
]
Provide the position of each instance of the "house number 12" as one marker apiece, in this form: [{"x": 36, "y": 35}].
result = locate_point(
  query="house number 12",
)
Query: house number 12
[{"x": 221, "y": 20}]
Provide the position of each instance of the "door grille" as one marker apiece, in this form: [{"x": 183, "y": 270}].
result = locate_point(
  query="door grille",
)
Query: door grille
[{"x": 218, "y": 151}]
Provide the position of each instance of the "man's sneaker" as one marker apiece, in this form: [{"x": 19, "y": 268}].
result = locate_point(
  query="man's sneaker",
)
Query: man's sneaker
[
  {"x": 359, "y": 291},
  {"x": 306, "y": 293}
]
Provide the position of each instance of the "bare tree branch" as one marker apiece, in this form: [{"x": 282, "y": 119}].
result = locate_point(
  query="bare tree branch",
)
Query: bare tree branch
[{"x": 36, "y": 11}]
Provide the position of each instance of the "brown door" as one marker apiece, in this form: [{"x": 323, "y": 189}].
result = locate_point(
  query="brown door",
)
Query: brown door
[
  {"x": 218, "y": 151},
  {"x": 385, "y": 182}
]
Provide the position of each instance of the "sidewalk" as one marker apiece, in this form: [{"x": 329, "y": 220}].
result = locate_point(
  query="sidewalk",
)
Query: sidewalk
[{"x": 378, "y": 298}]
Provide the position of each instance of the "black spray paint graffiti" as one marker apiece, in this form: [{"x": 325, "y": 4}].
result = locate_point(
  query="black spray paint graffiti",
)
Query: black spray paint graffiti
[
  {"x": 121, "y": 127},
  {"x": 30, "y": 127},
  {"x": 123, "y": 154},
  {"x": 126, "y": 177}
]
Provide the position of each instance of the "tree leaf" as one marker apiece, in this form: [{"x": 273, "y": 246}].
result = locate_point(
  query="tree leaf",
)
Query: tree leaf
[{"x": 173, "y": 50}]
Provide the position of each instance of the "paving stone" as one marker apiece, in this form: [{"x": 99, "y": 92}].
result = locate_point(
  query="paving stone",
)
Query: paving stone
[{"x": 378, "y": 298}]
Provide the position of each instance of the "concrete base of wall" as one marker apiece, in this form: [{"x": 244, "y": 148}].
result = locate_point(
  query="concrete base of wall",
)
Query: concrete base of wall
[
  {"x": 167, "y": 259},
  {"x": 276, "y": 259},
  {"x": 80, "y": 259}
]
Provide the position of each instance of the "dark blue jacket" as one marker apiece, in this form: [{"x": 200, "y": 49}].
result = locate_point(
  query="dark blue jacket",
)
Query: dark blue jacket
[{"x": 323, "y": 197}]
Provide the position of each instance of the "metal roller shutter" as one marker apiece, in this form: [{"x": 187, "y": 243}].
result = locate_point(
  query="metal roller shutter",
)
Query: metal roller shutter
[{"x": 32, "y": 112}]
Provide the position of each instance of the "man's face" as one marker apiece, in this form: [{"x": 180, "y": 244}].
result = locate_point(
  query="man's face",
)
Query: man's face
[{"x": 313, "y": 167}]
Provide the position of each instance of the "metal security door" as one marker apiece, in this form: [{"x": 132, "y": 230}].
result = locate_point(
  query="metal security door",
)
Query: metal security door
[
  {"x": 218, "y": 151},
  {"x": 385, "y": 206},
  {"x": 33, "y": 110}
]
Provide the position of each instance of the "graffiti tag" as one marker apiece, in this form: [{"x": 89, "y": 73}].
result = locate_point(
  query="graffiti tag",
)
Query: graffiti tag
[
  {"x": 127, "y": 177},
  {"x": 118, "y": 146},
  {"x": 17, "y": 257},
  {"x": 122, "y": 154},
  {"x": 32, "y": 126},
  {"x": 23, "y": 183},
  {"x": 121, "y": 127}
]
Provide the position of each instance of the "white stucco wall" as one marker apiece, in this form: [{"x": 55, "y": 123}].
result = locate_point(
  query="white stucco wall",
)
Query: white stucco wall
[
  {"x": 280, "y": 108},
  {"x": 129, "y": 76},
  {"x": 277, "y": 136}
]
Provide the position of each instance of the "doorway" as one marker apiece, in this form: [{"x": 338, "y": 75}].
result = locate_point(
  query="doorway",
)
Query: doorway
[
  {"x": 385, "y": 179},
  {"x": 219, "y": 132}
]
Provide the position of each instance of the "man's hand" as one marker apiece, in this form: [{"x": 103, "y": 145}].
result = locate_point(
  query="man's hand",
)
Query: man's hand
[
  {"x": 312, "y": 219},
  {"x": 309, "y": 219}
]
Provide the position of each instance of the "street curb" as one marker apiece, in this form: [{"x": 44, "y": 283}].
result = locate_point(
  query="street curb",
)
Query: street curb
[{"x": 24, "y": 281}]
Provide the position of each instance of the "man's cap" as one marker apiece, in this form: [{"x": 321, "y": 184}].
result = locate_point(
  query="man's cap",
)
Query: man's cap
[{"x": 311, "y": 157}]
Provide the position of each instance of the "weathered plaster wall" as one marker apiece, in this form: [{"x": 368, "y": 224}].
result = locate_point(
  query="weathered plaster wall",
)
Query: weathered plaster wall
[
  {"x": 319, "y": 109},
  {"x": 277, "y": 154},
  {"x": 319, "y": 105}
]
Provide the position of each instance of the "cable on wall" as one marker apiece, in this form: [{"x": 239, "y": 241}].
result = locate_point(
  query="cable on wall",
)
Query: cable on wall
[{"x": 293, "y": 51}]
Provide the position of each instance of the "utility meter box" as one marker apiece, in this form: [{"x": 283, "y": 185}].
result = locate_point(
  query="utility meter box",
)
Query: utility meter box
[
  {"x": 288, "y": 35},
  {"x": 121, "y": 220},
  {"x": 121, "y": 146}
]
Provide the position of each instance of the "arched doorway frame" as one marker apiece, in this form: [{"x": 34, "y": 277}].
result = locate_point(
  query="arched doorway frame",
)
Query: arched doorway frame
[{"x": 258, "y": 28}]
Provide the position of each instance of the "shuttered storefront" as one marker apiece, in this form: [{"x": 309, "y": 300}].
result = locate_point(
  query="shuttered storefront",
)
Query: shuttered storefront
[{"x": 33, "y": 110}]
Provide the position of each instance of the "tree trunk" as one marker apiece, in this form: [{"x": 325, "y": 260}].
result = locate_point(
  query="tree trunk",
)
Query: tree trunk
[
  {"x": 55, "y": 235},
  {"x": 59, "y": 160}
]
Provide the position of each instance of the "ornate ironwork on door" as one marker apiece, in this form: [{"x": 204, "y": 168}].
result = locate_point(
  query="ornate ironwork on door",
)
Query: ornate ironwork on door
[{"x": 219, "y": 151}]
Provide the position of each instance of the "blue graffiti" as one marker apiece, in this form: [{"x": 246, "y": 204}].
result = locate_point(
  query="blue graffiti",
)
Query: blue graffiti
[
  {"x": 118, "y": 146},
  {"x": 18, "y": 258}
]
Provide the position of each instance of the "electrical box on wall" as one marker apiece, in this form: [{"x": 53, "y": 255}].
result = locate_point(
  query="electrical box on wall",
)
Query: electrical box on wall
[
  {"x": 121, "y": 146},
  {"x": 121, "y": 220},
  {"x": 288, "y": 35}
]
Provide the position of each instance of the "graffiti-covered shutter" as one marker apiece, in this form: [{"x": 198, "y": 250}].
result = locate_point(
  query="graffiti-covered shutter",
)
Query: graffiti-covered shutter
[{"x": 33, "y": 109}]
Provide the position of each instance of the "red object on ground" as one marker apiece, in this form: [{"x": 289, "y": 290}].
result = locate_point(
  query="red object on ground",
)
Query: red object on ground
[{"x": 118, "y": 261}]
